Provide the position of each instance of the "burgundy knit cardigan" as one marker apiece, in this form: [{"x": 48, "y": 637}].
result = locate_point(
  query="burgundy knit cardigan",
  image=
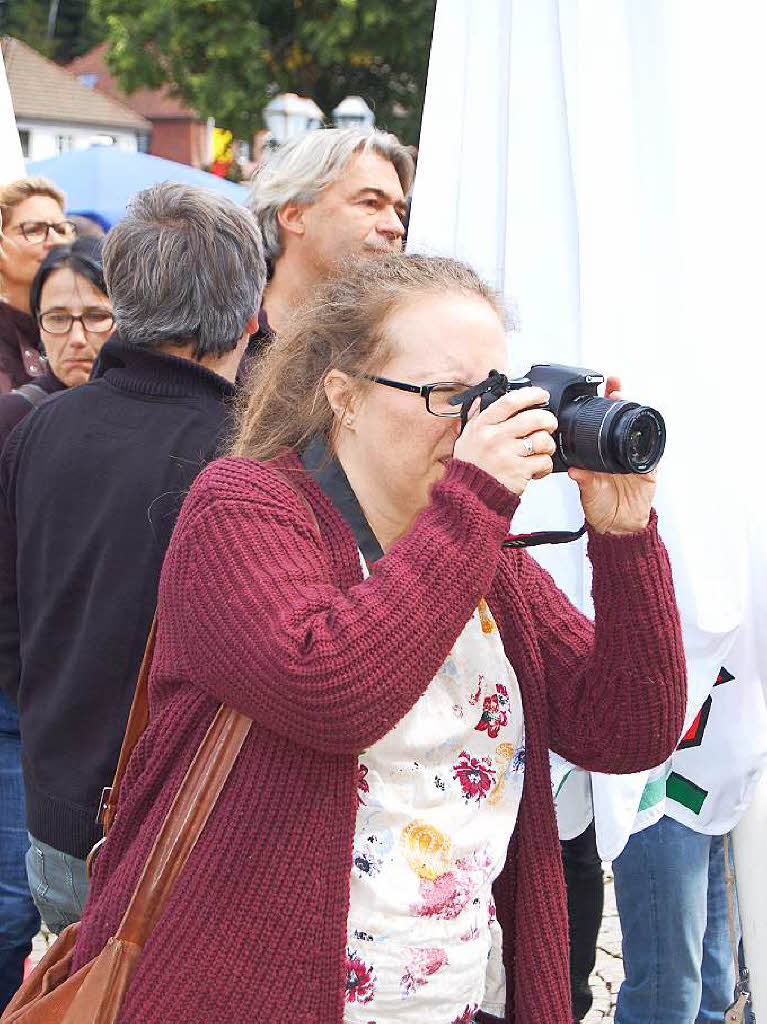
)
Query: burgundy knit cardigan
[{"x": 265, "y": 609}]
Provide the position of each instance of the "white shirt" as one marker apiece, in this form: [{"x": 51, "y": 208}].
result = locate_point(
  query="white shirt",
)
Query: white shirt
[{"x": 438, "y": 801}]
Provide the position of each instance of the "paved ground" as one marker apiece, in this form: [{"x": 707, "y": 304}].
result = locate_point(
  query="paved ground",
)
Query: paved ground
[
  {"x": 605, "y": 981},
  {"x": 42, "y": 940},
  {"x": 608, "y": 975}
]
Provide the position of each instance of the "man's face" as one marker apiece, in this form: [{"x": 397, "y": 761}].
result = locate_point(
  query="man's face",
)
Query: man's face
[{"x": 362, "y": 212}]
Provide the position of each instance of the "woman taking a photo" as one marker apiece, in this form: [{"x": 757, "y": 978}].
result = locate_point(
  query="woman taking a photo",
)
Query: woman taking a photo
[{"x": 340, "y": 579}]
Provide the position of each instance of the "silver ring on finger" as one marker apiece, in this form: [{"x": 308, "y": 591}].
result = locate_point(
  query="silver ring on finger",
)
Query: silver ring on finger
[{"x": 528, "y": 445}]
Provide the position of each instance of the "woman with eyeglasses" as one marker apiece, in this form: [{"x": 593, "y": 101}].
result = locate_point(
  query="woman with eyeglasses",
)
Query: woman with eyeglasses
[
  {"x": 385, "y": 849},
  {"x": 69, "y": 302},
  {"x": 25, "y": 206},
  {"x": 32, "y": 222}
]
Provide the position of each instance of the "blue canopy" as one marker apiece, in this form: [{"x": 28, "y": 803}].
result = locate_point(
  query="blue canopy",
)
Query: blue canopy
[{"x": 102, "y": 179}]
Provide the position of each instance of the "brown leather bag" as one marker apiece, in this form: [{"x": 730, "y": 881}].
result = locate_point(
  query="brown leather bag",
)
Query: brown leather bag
[{"x": 95, "y": 993}]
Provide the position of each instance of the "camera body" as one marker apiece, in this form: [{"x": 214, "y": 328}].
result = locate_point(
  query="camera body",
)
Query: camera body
[{"x": 593, "y": 433}]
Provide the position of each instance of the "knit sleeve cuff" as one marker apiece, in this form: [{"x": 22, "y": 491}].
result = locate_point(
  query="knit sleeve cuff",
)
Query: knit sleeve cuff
[
  {"x": 635, "y": 565},
  {"x": 614, "y": 548},
  {"x": 491, "y": 492}
]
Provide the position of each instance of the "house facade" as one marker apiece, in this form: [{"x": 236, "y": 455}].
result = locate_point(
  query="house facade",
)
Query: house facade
[
  {"x": 55, "y": 113},
  {"x": 177, "y": 132}
]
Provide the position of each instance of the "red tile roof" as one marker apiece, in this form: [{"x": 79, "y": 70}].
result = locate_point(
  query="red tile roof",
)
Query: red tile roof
[{"x": 155, "y": 104}]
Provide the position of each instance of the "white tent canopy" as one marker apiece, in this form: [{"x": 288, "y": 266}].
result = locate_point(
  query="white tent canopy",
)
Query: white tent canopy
[
  {"x": 604, "y": 165},
  {"x": 11, "y": 159}
]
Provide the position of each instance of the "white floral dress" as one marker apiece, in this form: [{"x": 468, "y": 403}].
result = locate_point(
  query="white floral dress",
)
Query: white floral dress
[{"x": 438, "y": 801}]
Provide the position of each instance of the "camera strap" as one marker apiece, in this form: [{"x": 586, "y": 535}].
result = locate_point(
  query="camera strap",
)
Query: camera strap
[
  {"x": 498, "y": 384},
  {"x": 320, "y": 463},
  {"x": 533, "y": 540}
]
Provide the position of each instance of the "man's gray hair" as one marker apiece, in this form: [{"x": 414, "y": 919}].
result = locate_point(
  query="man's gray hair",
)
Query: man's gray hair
[
  {"x": 301, "y": 168},
  {"x": 184, "y": 265}
]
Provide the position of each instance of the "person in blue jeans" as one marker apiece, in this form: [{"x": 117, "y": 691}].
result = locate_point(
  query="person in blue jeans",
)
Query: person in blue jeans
[
  {"x": 19, "y": 919},
  {"x": 748, "y": 1016},
  {"x": 671, "y": 891}
]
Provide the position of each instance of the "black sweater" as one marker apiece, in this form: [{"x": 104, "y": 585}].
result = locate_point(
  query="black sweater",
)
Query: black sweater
[
  {"x": 90, "y": 486},
  {"x": 13, "y": 408}
]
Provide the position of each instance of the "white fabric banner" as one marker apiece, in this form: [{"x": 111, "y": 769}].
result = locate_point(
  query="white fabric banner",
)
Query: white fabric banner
[
  {"x": 11, "y": 159},
  {"x": 601, "y": 163}
]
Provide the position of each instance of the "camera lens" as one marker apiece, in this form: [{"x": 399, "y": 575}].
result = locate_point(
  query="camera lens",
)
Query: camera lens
[
  {"x": 611, "y": 437},
  {"x": 643, "y": 439}
]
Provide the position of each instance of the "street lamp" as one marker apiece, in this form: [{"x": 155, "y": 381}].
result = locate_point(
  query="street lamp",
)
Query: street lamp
[
  {"x": 287, "y": 115},
  {"x": 353, "y": 112}
]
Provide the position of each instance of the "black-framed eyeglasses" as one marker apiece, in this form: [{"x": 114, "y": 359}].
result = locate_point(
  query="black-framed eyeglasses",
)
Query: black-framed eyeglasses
[
  {"x": 95, "y": 321},
  {"x": 38, "y": 230},
  {"x": 437, "y": 396}
]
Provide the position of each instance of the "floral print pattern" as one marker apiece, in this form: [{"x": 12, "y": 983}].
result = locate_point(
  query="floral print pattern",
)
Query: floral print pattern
[
  {"x": 449, "y": 894},
  {"x": 437, "y": 798},
  {"x": 495, "y": 712},
  {"x": 476, "y": 775},
  {"x": 366, "y": 859},
  {"x": 426, "y": 849},
  {"x": 421, "y": 965},
  {"x": 485, "y": 617},
  {"x": 360, "y": 979}
]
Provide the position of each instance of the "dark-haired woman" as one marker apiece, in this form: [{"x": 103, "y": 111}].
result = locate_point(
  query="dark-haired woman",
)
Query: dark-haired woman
[{"x": 68, "y": 301}]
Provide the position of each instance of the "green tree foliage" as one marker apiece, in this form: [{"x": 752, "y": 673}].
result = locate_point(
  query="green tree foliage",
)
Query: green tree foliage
[
  {"x": 227, "y": 58},
  {"x": 27, "y": 20},
  {"x": 74, "y": 29}
]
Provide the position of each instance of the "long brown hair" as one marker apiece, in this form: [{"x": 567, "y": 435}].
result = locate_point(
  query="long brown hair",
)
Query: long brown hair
[{"x": 341, "y": 326}]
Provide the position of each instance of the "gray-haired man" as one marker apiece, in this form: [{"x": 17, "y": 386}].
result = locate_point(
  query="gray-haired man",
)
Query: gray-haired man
[
  {"x": 90, "y": 485},
  {"x": 322, "y": 197}
]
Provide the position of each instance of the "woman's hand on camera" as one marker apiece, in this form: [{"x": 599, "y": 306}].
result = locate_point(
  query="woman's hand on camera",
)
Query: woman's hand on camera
[
  {"x": 511, "y": 439},
  {"x": 615, "y": 502}
]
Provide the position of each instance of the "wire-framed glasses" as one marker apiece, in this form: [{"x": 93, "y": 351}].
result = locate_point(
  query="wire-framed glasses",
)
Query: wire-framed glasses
[
  {"x": 59, "y": 321},
  {"x": 437, "y": 396},
  {"x": 38, "y": 230}
]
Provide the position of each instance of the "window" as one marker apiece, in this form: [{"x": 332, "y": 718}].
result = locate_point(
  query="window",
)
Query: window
[
  {"x": 24, "y": 140},
  {"x": 103, "y": 140},
  {"x": 91, "y": 79},
  {"x": 63, "y": 144}
]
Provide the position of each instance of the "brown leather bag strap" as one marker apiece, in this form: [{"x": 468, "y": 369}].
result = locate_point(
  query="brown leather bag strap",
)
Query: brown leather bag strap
[
  {"x": 184, "y": 822},
  {"x": 137, "y": 723},
  {"x": 192, "y": 804}
]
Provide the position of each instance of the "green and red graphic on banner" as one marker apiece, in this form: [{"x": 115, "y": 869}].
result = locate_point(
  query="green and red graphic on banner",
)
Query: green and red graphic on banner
[{"x": 679, "y": 788}]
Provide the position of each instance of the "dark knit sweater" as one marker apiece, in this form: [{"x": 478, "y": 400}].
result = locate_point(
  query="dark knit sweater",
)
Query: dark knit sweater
[
  {"x": 13, "y": 408},
  {"x": 260, "y": 610},
  {"x": 90, "y": 486}
]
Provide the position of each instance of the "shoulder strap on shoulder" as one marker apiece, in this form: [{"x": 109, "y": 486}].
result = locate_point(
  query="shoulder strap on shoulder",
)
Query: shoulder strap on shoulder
[{"x": 33, "y": 393}]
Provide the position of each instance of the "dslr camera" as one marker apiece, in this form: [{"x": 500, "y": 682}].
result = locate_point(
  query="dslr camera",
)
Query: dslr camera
[{"x": 593, "y": 433}]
